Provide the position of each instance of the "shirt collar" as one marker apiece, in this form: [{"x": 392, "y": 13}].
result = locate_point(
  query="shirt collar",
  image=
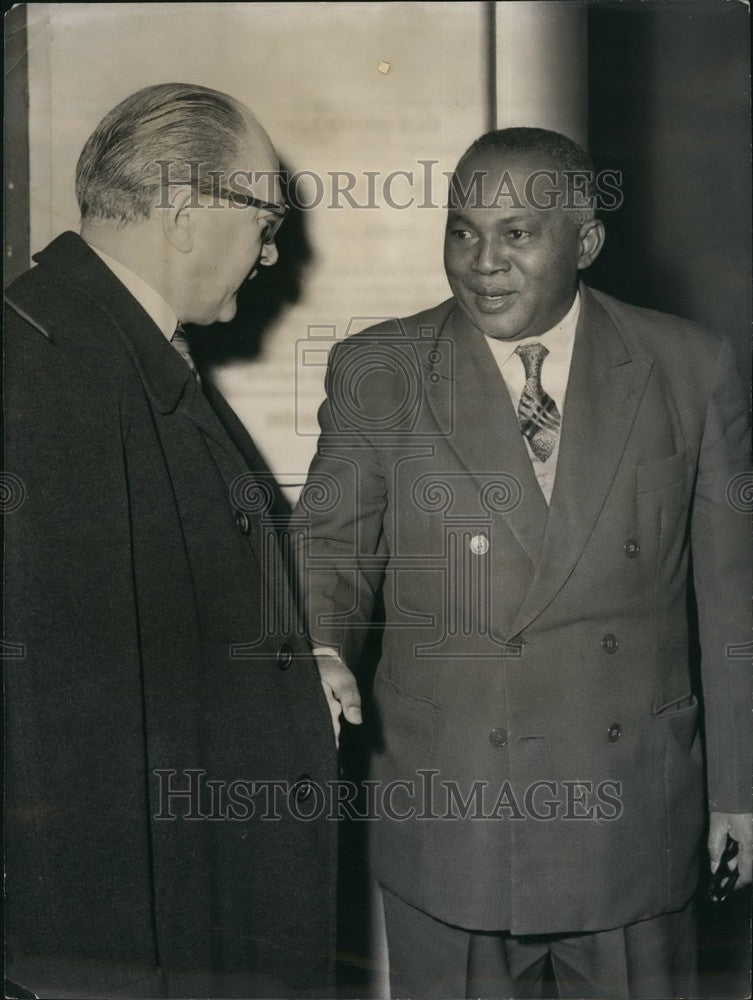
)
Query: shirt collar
[
  {"x": 158, "y": 310},
  {"x": 558, "y": 339}
]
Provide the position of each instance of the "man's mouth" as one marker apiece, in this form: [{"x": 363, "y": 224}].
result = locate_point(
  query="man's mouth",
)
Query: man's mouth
[{"x": 493, "y": 301}]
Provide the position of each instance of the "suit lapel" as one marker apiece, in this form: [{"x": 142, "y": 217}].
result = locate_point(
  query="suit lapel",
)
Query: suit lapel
[
  {"x": 603, "y": 394},
  {"x": 483, "y": 429}
]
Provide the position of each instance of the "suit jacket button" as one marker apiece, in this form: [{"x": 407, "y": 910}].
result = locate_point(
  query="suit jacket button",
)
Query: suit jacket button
[
  {"x": 614, "y": 732},
  {"x": 284, "y": 656},
  {"x": 243, "y": 522},
  {"x": 609, "y": 643},
  {"x": 632, "y": 548},
  {"x": 498, "y": 737},
  {"x": 479, "y": 545}
]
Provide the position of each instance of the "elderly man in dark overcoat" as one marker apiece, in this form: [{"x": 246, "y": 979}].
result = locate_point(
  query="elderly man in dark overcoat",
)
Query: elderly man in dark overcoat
[{"x": 165, "y": 722}]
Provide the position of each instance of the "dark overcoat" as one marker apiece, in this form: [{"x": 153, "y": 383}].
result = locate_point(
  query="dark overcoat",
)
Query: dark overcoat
[{"x": 152, "y": 651}]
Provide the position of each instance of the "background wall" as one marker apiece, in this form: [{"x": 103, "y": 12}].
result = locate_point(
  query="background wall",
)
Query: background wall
[
  {"x": 311, "y": 73},
  {"x": 341, "y": 87}
]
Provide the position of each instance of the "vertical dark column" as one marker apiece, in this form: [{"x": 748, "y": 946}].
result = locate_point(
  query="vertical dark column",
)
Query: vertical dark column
[
  {"x": 669, "y": 105},
  {"x": 16, "y": 147}
]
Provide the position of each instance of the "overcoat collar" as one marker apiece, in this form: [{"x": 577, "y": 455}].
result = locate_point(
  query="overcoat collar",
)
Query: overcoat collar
[{"x": 166, "y": 377}]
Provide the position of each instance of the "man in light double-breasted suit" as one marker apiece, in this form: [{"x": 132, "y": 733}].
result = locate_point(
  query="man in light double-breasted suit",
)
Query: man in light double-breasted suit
[{"x": 534, "y": 473}]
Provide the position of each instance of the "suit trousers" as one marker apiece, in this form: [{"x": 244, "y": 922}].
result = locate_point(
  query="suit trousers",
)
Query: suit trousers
[{"x": 431, "y": 960}]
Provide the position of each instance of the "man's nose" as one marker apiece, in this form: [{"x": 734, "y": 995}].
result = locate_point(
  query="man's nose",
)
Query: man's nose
[
  {"x": 490, "y": 257},
  {"x": 269, "y": 254}
]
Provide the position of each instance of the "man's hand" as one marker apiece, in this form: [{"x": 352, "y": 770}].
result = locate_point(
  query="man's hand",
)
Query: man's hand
[
  {"x": 740, "y": 828},
  {"x": 340, "y": 687}
]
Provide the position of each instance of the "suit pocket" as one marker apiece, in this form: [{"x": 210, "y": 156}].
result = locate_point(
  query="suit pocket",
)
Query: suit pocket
[
  {"x": 409, "y": 727},
  {"x": 681, "y": 716},
  {"x": 683, "y": 794},
  {"x": 664, "y": 472}
]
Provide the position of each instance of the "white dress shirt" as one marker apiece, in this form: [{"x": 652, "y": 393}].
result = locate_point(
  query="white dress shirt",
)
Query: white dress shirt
[
  {"x": 555, "y": 372},
  {"x": 147, "y": 297}
]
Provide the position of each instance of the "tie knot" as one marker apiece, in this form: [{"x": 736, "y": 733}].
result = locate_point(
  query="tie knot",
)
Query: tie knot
[
  {"x": 181, "y": 345},
  {"x": 532, "y": 356}
]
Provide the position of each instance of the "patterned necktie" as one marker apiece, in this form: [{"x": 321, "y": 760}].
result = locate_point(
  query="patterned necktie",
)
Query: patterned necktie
[
  {"x": 538, "y": 415},
  {"x": 180, "y": 343}
]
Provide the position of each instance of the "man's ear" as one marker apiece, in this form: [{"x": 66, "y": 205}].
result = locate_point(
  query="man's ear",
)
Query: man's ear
[
  {"x": 591, "y": 236},
  {"x": 178, "y": 221}
]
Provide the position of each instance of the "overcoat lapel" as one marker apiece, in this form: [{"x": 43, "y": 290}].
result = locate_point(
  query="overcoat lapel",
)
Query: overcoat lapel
[
  {"x": 604, "y": 391},
  {"x": 484, "y": 431},
  {"x": 165, "y": 375}
]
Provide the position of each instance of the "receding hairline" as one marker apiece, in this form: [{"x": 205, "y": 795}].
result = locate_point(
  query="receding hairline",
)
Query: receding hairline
[{"x": 119, "y": 170}]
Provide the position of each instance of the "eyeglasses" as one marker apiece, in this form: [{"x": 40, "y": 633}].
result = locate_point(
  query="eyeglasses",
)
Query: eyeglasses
[{"x": 247, "y": 200}]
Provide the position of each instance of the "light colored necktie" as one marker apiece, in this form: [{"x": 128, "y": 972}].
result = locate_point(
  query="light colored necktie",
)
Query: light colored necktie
[
  {"x": 538, "y": 415},
  {"x": 180, "y": 343}
]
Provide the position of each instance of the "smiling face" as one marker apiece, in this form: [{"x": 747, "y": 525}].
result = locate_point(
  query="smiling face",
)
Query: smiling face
[
  {"x": 513, "y": 267},
  {"x": 229, "y": 239}
]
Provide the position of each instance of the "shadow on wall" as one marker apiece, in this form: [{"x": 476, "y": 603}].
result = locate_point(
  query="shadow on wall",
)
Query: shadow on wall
[{"x": 261, "y": 302}]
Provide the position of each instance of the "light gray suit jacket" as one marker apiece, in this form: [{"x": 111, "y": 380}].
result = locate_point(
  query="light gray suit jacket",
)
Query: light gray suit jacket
[{"x": 542, "y": 652}]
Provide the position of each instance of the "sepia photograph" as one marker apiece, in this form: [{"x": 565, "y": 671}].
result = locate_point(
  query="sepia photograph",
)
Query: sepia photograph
[{"x": 377, "y": 494}]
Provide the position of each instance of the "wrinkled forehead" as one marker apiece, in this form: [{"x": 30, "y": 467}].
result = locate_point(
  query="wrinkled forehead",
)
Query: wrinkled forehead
[{"x": 507, "y": 180}]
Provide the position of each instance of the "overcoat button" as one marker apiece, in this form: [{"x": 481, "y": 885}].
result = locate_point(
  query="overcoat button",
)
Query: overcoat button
[
  {"x": 284, "y": 656},
  {"x": 435, "y": 357},
  {"x": 243, "y": 522},
  {"x": 614, "y": 732},
  {"x": 632, "y": 548},
  {"x": 498, "y": 737},
  {"x": 609, "y": 643},
  {"x": 479, "y": 545},
  {"x": 303, "y": 790}
]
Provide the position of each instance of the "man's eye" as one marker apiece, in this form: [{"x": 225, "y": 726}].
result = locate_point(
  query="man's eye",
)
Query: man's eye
[
  {"x": 463, "y": 234},
  {"x": 518, "y": 234}
]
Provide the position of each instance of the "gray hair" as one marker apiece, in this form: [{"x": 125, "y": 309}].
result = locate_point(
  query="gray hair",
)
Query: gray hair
[{"x": 152, "y": 137}]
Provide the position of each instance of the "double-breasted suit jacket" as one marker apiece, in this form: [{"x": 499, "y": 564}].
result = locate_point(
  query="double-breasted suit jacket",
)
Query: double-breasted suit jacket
[
  {"x": 534, "y": 691},
  {"x": 148, "y": 608}
]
